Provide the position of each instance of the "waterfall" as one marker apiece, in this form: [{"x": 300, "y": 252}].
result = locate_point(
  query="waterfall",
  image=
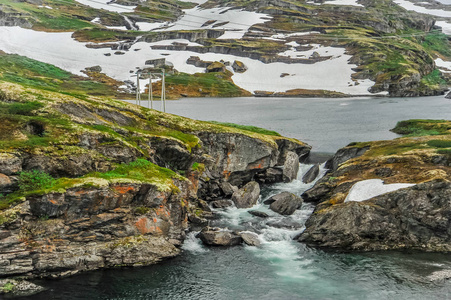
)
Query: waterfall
[
  {"x": 130, "y": 23},
  {"x": 276, "y": 232}
]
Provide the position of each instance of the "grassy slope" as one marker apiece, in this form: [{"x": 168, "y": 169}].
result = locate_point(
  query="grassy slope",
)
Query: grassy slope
[{"x": 21, "y": 105}]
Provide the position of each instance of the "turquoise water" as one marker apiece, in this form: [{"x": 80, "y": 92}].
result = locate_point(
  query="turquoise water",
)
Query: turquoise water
[{"x": 281, "y": 268}]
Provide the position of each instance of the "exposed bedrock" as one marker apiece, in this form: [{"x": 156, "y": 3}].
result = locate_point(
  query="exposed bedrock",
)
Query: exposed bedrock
[{"x": 410, "y": 218}]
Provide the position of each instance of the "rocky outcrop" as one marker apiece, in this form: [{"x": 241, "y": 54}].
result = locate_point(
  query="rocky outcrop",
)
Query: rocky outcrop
[
  {"x": 285, "y": 203},
  {"x": 410, "y": 218},
  {"x": 311, "y": 174},
  {"x": 344, "y": 154},
  {"x": 247, "y": 196},
  {"x": 123, "y": 224},
  {"x": 219, "y": 237},
  {"x": 290, "y": 167}
]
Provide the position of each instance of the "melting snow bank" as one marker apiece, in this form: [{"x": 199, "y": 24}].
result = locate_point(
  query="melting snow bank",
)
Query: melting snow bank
[
  {"x": 420, "y": 9},
  {"x": 107, "y": 5},
  {"x": 367, "y": 189}
]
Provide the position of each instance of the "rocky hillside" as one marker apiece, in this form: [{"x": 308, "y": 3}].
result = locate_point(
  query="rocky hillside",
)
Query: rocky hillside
[
  {"x": 356, "y": 211},
  {"x": 239, "y": 48},
  {"x": 89, "y": 183}
]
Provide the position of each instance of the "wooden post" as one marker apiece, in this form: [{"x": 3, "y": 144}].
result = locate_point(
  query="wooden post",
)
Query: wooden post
[{"x": 164, "y": 93}]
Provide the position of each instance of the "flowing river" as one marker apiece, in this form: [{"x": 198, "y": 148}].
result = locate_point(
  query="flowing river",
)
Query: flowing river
[{"x": 281, "y": 268}]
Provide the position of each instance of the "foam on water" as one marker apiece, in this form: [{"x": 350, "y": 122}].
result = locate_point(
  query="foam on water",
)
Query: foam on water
[
  {"x": 193, "y": 244},
  {"x": 277, "y": 245}
]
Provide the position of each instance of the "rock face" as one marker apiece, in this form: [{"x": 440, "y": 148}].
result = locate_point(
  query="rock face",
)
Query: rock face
[
  {"x": 285, "y": 203},
  {"x": 247, "y": 196},
  {"x": 219, "y": 237},
  {"x": 86, "y": 229},
  {"x": 290, "y": 167},
  {"x": 412, "y": 218},
  {"x": 311, "y": 174}
]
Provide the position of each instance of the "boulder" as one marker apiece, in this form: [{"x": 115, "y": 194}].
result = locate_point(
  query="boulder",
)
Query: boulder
[
  {"x": 5, "y": 183},
  {"x": 221, "y": 203},
  {"x": 219, "y": 237},
  {"x": 285, "y": 203},
  {"x": 290, "y": 167},
  {"x": 271, "y": 175},
  {"x": 216, "y": 67},
  {"x": 258, "y": 213},
  {"x": 239, "y": 67},
  {"x": 344, "y": 154},
  {"x": 250, "y": 238},
  {"x": 227, "y": 188},
  {"x": 311, "y": 174},
  {"x": 269, "y": 201},
  {"x": 247, "y": 196},
  {"x": 412, "y": 218},
  {"x": 285, "y": 223}
]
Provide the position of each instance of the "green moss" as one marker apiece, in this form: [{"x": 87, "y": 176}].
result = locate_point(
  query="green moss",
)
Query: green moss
[
  {"x": 35, "y": 180},
  {"x": 33, "y": 73},
  {"x": 8, "y": 287},
  {"x": 248, "y": 128},
  {"x": 143, "y": 171},
  {"x": 439, "y": 143},
  {"x": 437, "y": 42},
  {"x": 434, "y": 79},
  {"x": 198, "y": 167},
  {"x": 421, "y": 127},
  {"x": 142, "y": 210},
  {"x": 24, "y": 108}
]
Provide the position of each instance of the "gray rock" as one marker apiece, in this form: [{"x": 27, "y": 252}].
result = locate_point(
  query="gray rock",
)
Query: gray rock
[
  {"x": 227, "y": 188},
  {"x": 258, "y": 213},
  {"x": 285, "y": 203},
  {"x": 247, "y": 196},
  {"x": 271, "y": 175},
  {"x": 269, "y": 201},
  {"x": 19, "y": 288},
  {"x": 250, "y": 238},
  {"x": 239, "y": 67},
  {"x": 311, "y": 174},
  {"x": 344, "y": 154},
  {"x": 285, "y": 223},
  {"x": 221, "y": 203},
  {"x": 219, "y": 237},
  {"x": 290, "y": 167},
  {"x": 10, "y": 164},
  {"x": 410, "y": 218}
]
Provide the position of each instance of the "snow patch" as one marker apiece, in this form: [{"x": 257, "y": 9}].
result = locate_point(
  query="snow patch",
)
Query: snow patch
[
  {"x": 343, "y": 2},
  {"x": 106, "y": 5},
  {"x": 367, "y": 189},
  {"x": 235, "y": 20},
  {"x": 446, "y": 27},
  {"x": 434, "y": 12}
]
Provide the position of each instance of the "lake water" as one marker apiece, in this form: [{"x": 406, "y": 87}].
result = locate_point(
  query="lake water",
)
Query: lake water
[{"x": 281, "y": 268}]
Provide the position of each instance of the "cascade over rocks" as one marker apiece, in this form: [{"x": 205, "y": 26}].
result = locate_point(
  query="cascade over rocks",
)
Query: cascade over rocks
[{"x": 247, "y": 196}]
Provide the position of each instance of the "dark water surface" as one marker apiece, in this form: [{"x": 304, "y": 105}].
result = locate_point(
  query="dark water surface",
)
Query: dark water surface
[
  {"x": 281, "y": 268},
  {"x": 326, "y": 124}
]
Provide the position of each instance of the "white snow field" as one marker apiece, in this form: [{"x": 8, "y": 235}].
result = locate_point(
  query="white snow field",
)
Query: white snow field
[
  {"x": 367, "y": 189},
  {"x": 236, "y": 21},
  {"x": 420, "y": 9},
  {"x": 103, "y": 4},
  {"x": 61, "y": 50}
]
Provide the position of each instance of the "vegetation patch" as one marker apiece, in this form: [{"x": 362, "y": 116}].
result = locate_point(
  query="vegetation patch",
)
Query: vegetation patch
[
  {"x": 440, "y": 143},
  {"x": 35, "y": 180},
  {"x": 248, "y": 128},
  {"x": 421, "y": 127}
]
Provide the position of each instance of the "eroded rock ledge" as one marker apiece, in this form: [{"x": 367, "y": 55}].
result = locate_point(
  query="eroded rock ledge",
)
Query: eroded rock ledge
[
  {"x": 91, "y": 220},
  {"x": 415, "y": 217}
]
